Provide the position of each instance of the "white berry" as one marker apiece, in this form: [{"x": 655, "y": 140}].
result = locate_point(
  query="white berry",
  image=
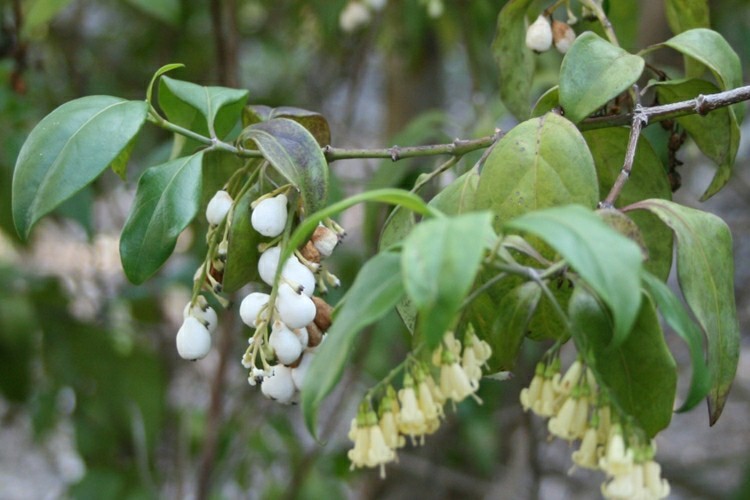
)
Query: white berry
[
  {"x": 279, "y": 384},
  {"x": 299, "y": 274},
  {"x": 302, "y": 336},
  {"x": 267, "y": 264},
  {"x": 269, "y": 216},
  {"x": 539, "y": 35},
  {"x": 203, "y": 313},
  {"x": 218, "y": 207},
  {"x": 193, "y": 340},
  {"x": 251, "y": 306},
  {"x": 296, "y": 310},
  {"x": 300, "y": 372},
  {"x": 285, "y": 344}
]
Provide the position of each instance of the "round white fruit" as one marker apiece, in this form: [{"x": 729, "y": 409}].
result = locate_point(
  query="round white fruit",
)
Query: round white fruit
[
  {"x": 251, "y": 306},
  {"x": 279, "y": 384},
  {"x": 295, "y": 310},
  {"x": 193, "y": 339},
  {"x": 218, "y": 207},
  {"x": 285, "y": 344},
  {"x": 269, "y": 216},
  {"x": 539, "y": 35}
]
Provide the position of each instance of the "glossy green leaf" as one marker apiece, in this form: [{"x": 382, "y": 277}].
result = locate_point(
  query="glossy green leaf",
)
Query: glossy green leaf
[
  {"x": 683, "y": 15},
  {"x": 158, "y": 73},
  {"x": 716, "y": 134},
  {"x": 439, "y": 261},
  {"x": 592, "y": 73},
  {"x": 609, "y": 262},
  {"x": 67, "y": 150},
  {"x": 677, "y": 317},
  {"x": 547, "y": 102},
  {"x": 648, "y": 179},
  {"x": 511, "y": 321},
  {"x": 514, "y": 60},
  {"x": 314, "y": 122},
  {"x": 640, "y": 373},
  {"x": 546, "y": 322},
  {"x": 540, "y": 163},
  {"x": 293, "y": 151},
  {"x": 166, "y": 201},
  {"x": 705, "y": 269},
  {"x": 242, "y": 255},
  {"x": 458, "y": 196},
  {"x": 397, "y": 226},
  {"x": 712, "y": 50},
  {"x": 210, "y": 111},
  {"x": 376, "y": 289}
]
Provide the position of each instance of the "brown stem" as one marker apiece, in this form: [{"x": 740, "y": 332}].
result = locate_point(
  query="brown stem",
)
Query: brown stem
[{"x": 215, "y": 410}]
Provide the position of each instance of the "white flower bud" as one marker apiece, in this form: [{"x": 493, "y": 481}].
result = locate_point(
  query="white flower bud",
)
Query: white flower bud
[
  {"x": 279, "y": 385},
  {"x": 269, "y": 216},
  {"x": 353, "y": 16},
  {"x": 563, "y": 36},
  {"x": 300, "y": 371},
  {"x": 296, "y": 310},
  {"x": 193, "y": 340},
  {"x": 285, "y": 344},
  {"x": 218, "y": 207},
  {"x": 324, "y": 240},
  {"x": 539, "y": 35},
  {"x": 299, "y": 274},
  {"x": 251, "y": 306}
]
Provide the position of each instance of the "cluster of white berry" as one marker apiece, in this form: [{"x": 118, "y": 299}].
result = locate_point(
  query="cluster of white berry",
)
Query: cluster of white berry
[
  {"x": 541, "y": 35},
  {"x": 289, "y": 322},
  {"x": 297, "y": 319},
  {"x": 578, "y": 409}
]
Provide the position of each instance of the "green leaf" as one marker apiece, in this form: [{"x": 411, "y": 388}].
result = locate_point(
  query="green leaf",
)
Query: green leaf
[
  {"x": 593, "y": 72},
  {"x": 210, "y": 111},
  {"x": 683, "y": 15},
  {"x": 242, "y": 255},
  {"x": 397, "y": 226},
  {"x": 458, "y": 196},
  {"x": 514, "y": 60},
  {"x": 712, "y": 50},
  {"x": 540, "y": 163},
  {"x": 166, "y": 201},
  {"x": 439, "y": 261},
  {"x": 648, "y": 179},
  {"x": 392, "y": 196},
  {"x": 640, "y": 373},
  {"x": 547, "y": 102},
  {"x": 511, "y": 321},
  {"x": 609, "y": 262},
  {"x": 159, "y": 72},
  {"x": 314, "y": 122},
  {"x": 376, "y": 289},
  {"x": 293, "y": 151},
  {"x": 67, "y": 150},
  {"x": 705, "y": 269},
  {"x": 677, "y": 317},
  {"x": 716, "y": 134}
]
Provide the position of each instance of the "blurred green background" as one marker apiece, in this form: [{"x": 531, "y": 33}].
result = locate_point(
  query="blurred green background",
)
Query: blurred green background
[{"x": 94, "y": 402}]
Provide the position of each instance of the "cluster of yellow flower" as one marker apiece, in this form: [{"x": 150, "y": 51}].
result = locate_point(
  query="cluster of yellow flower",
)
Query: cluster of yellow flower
[
  {"x": 417, "y": 408},
  {"x": 579, "y": 409}
]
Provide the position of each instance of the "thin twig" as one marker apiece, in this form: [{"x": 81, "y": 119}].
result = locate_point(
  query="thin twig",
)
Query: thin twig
[
  {"x": 639, "y": 121},
  {"x": 701, "y": 105}
]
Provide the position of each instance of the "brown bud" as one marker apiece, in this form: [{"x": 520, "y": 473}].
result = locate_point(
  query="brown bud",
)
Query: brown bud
[
  {"x": 563, "y": 36},
  {"x": 314, "y": 335},
  {"x": 324, "y": 240},
  {"x": 311, "y": 253},
  {"x": 322, "y": 314}
]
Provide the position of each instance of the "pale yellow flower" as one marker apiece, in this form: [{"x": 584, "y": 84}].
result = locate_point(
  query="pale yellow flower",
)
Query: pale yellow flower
[
  {"x": 454, "y": 383},
  {"x": 625, "y": 486},
  {"x": 580, "y": 417},
  {"x": 378, "y": 452},
  {"x": 410, "y": 419},
  {"x": 571, "y": 379},
  {"x": 618, "y": 460},
  {"x": 472, "y": 367},
  {"x": 432, "y": 412},
  {"x": 604, "y": 414},
  {"x": 587, "y": 455},
  {"x": 653, "y": 482},
  {"x": 361, "y": 437},
  {"x": 561, "y": 425},
  {"x": 533, "y": 393},
  {"x": 389, "y": 427}
]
